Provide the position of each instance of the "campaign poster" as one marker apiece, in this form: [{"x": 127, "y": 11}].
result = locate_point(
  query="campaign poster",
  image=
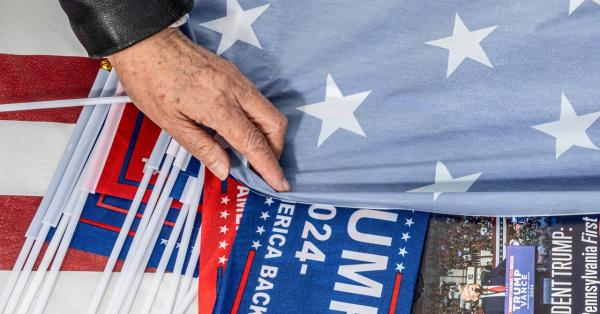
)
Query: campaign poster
[{"x": 467, "y": 261}]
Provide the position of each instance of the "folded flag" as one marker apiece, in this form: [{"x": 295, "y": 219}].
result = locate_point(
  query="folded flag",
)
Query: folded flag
[
  {"x": 461, "y": 107},
  {"x": 291, "y": 256}
]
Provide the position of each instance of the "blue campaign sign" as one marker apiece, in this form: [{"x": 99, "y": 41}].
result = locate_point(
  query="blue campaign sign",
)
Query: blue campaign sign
[
  {"x": 520, "y": 280},
  {"x": 311, "y": 258}
]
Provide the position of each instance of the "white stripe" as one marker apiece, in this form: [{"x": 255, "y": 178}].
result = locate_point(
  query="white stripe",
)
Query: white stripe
[
  {"x": 29, "y": 153},
  {"x": 36, "y": 27},
  {"x": 73, "y": 290}
]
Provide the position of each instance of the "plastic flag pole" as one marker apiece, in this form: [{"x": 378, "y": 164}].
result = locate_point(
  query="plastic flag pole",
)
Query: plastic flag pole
[
  {"x": 137, "y": 254},
  {"x": 191, "y": 186},
  {"x": 134, "y": 287},
  {"x": 36, "y": 223},
  {"x": 49, "y": 255},
  {"x": 185, "y": 241},
  {"x": 152, "y": 165},
  {"x": 165, "y": 170},
  {"x": 94, "y": 168},
  {"x": 188, "y": 277},
  {"x": 66, "y": 103},
  {"x": 67, "y": 185},
  {"x": 89, "y": 179},
  {"x": 187, "y": 300}
]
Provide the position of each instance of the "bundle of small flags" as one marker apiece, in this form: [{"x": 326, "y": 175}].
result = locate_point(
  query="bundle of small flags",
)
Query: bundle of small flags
[{"x": 167, "y": 233}]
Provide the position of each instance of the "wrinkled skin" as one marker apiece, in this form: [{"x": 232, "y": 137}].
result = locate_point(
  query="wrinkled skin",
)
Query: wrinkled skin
[{"x": 182, "y": 86}]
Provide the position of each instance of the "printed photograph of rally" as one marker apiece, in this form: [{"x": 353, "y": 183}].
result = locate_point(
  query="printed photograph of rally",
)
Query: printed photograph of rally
[{"x": 509, "y": 265}]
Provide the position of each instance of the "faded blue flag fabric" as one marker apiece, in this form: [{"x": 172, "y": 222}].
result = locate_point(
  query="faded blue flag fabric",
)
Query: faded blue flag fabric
[{"x": 462, "y": 107}]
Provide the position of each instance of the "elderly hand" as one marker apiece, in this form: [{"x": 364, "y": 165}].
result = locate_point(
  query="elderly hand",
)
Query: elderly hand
[{"x": 182, "y": 86}]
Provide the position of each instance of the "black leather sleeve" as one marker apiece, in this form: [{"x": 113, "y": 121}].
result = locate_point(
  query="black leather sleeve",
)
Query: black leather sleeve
[{"x": 107, "y": 26}]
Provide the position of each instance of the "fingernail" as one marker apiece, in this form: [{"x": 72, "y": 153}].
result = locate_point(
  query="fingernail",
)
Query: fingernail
[
  {"x": 219, "y": 169},
  {"x": 285, "y": 186}
]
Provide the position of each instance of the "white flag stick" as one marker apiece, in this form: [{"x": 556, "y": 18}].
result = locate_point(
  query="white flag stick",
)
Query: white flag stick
[
  {"x": 67, "y": 185},
  {"x": 16, "y": 272},
  {"x": 66, "y": 103},
  {"x": 190, "y": 269},
  {"x": 36, "y": 222},
  {"x": 187, "y": 300},
  {"x": 152, "y": 164},
  {"x": 163, "y": 175},
  {"x": 190, "y": 186},
  {"x": 148, "y": 212},
  {"x": 45, "y": 263},
  {"x": 82, "y": 152},
  {"x": 185, "y": 241},
  {"x": 137, "y": 255},
  {"x": 138, "y": 274},
  {"x": 60, "y": 254},
  {"x": 49, "y": 254},
  {"x": 27, "y": 268},
  {"x": 93, "y": 170},
  {"x": 134, "y": 286}
]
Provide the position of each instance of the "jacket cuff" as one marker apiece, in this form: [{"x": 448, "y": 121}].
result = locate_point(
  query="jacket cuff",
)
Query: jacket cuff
[{"x": 107, "y": 26}]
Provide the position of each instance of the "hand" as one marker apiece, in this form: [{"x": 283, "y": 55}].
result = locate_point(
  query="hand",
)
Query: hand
[{"x": 182, "y": 86}]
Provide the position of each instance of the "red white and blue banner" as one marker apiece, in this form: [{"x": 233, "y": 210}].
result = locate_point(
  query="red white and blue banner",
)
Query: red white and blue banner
[{"x": 291, "y": 257}]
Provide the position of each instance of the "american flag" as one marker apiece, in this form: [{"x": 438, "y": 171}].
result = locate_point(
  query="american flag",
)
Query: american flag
[
  {"x": 465, "y": 107},
  {"x": 32, "y": 143}
]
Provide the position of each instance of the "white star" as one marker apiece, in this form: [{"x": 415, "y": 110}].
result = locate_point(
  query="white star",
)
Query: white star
[
  {"x": 222, "y": 260},
  {"x": 224, "y": 214},
  {"x": 260, "y": 230},
  {"x": 269, "y": 201},
  {"x": 177, "y": 245},
  {"x": 224, "y": 229},
  {"x": 223, "y": 244},
  {"x": 444, "y": 182},
  {"x": 164, "y": 241},
  {"x": 264, "y": 215},
  {"x": 574, "y": 4},
  {"x": 236, "y": 25},
  {"x": 463, "y": 44},
  {"x": 570, "y": 129},
  {"x": 224, "y": 200},
  {"x": 256, "y": 244},
  {"x": 402, "y": 251},
  {"x": 337, "y": 111},
  {"x": 405, "y": 236},
  {"x": 409, "y": 222},
  {"x": 400, "y": 267}
]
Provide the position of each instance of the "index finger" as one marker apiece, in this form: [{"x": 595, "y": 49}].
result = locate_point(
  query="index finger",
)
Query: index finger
[{"x": 246, "y": 138}]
